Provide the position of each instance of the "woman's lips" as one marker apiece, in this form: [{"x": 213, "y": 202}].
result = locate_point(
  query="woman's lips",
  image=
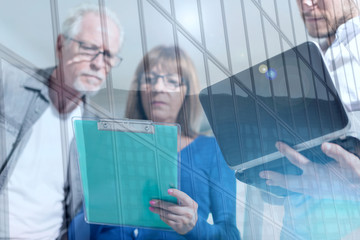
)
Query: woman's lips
[{"x": 158, "y": 103}]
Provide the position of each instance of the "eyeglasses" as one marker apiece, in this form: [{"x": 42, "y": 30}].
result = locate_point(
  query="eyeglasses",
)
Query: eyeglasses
[
  {"x": 171, "y": 81},
  {"x": 89, "y": 52}
]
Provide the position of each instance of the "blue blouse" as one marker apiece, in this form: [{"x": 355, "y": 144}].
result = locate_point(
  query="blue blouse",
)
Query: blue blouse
[{"x": 206, "y": 178}]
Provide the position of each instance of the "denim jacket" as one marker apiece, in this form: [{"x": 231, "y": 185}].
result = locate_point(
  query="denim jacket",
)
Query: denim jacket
[{"x": 23, "y": 99}]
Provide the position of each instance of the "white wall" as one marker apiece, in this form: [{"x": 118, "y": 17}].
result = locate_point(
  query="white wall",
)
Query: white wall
[{"x": 27, "y": 28}]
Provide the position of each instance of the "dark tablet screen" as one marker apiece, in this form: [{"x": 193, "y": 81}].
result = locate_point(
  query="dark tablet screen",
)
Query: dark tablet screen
[{"x": 289, "y": 98}]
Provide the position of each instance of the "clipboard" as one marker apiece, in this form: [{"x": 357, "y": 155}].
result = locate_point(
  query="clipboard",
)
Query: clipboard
[{"x": 123, "y": 165}]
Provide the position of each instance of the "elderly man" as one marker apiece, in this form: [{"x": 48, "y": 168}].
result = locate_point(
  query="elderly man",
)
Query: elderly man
[
  {"x": 39, "y": 188},
  {"x": 329, "y": 205}
]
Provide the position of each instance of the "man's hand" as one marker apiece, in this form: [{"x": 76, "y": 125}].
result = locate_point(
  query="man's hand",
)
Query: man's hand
[
  {"x": 181, "y": 217},
  {"x": 331, "y": 180}
]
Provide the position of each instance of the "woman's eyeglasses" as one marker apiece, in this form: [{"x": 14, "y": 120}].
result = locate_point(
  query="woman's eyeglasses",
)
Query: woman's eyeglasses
[{"x": 171, "y": 81}]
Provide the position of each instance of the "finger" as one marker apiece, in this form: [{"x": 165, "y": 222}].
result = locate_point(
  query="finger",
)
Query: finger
[
  {"x": 169, "y": 222},
  {"x": 168, "y": 206},
  {"x": 164, "y": 214},
  {"x": 273, "y": 178},
  {"x": 292, "y": 183},
  {"x": 294, "y": 157},
  {"x": 182, "y": 197},
  {"x": 343, "y": 157},
  {"x": 162, "y": 204}
]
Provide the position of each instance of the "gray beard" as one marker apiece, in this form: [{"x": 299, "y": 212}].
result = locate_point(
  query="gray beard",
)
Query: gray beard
[{"x": 78, "y": 86}]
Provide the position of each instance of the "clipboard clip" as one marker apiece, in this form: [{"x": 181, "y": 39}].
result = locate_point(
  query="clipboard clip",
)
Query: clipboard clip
[{"x": 126, "y": 126}]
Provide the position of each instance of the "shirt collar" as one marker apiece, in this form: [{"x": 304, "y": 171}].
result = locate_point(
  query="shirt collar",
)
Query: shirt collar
[
  {"x": 39, "y": 81},
  {"x": 347, "y": 31}
]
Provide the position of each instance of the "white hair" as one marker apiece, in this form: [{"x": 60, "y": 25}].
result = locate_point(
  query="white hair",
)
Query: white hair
[{"x": 71, "y": 25}]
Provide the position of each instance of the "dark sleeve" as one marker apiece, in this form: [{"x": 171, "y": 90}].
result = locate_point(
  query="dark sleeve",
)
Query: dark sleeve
[
  {"x": 81, "y": 230},
  {"x": 222, "y": 187}
]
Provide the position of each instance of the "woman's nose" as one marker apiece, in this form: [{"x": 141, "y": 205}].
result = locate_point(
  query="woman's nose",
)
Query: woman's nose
[{"x": 159, "y": 85}]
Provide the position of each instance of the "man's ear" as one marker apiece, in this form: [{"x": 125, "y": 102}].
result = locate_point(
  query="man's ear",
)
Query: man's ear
[{"x": 60, "y": 42}]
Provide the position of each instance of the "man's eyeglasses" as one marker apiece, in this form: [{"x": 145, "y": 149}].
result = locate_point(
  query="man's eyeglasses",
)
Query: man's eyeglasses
[
  {"x": 88, "y": 52},
  {"x": 171, "y": 81}
]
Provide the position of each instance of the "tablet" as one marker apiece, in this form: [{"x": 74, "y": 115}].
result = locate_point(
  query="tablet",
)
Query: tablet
[
  {"x": 123, "y": 165},
  {"x": 289, "y": 98}
]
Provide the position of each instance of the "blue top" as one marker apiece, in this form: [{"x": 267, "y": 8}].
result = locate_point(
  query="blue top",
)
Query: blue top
[{"x": 207, "y": 179}]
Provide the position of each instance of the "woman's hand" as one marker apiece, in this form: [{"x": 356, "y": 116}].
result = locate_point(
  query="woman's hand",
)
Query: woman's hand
[{"x": 181, "y": 217}]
